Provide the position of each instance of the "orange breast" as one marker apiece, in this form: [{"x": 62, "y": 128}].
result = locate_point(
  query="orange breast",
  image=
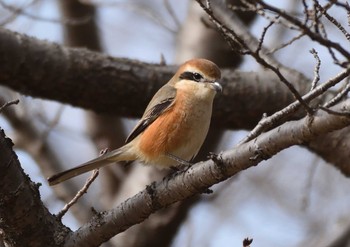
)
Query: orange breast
[{"x": 166, "y": 133}]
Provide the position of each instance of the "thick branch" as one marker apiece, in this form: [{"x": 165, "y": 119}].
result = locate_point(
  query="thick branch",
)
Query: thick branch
[
  {"x": 104, "y": 84},
  {"x": 78, "y": 77},
  {"x": 25, "y": 221},
  {"x": 203, "y": 175}
]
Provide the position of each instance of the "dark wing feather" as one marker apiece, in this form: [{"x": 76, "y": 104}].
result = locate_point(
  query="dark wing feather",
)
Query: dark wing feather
[{"x": 160, "y": 102}]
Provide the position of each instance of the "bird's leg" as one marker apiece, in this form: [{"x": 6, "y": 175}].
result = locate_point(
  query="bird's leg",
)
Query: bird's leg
[
  {"x": 181, "y": 161},
  {"x": 184, "y": 165}
]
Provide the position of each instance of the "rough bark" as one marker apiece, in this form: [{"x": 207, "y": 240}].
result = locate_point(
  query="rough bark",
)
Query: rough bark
[
  {"x": 29, "y": 138},
  {"x": 25, "y": 221}
]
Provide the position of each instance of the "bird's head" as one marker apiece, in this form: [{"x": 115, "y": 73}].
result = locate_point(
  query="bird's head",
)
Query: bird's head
[{"x": 199, "y": 73}]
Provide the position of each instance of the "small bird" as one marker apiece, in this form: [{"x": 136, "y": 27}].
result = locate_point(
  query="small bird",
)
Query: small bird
[{"x": 173, "y": 126}]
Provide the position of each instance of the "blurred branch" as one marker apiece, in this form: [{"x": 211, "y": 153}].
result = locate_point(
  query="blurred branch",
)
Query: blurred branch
[
  {"x": 204, "y": 174},
  {"x": 343, "y": 240},
  {"x": 110, "y": 85},
  {"x": 206, "y": 42},
  {"x": 141, "y": 8},
  {"x": 21, "y": 11},
  {"x": 83, "y": 34},
  {"x": 108, "y": 131},
  {"x": 330, "y": 147},
  {"x": 104, "y": 130},
  {"x": 8, "y": 103},
  {"x": 14, "y": 12},
  {"x": 172, "y": 13}
]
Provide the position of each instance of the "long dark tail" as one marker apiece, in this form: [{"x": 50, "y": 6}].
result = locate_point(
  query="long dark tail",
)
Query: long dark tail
[{"x": 105, "y": 159}]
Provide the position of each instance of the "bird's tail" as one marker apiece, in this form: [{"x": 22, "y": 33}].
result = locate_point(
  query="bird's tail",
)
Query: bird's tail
[{"x": 120, "y": 154}]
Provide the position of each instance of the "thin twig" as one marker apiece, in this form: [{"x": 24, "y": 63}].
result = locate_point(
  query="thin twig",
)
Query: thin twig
[
  {"x": 315, "y": 18},
  {"x": 258, "y": 10},
  {"x": 339, "y": 96},
  {"x": 230, "y": 35},
  {"x": 262, "y": 38},
  {"x": 286, "y": 44},
  {"x": 22, "y": 12},
  {"x": 268, "y": 122},
  {"x": 306, "y": 11},
  {"x": 53, "y": 122},
  {"x": 12, "y": 102},
  {"x": 330, "y": 50},
  {"x": 314, "y": 36},
  {"x": 172, "y": 13},
  {"x": 333, "y": 21},
  {"x": 330, "y": 4},
  {"x": 80, "y": 193},
  {"x": 14, "y": 14},
  {"x": 234, "y": 42},
  {"x": 308, "y": 184},
  {"x": 316, "y": 70},
  {"x": 338, "y": 113},
  {"x": 343, "y": 5}
]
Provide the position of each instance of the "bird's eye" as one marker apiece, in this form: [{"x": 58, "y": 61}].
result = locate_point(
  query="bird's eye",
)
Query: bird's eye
[
  {"x": 197, "y": 76},
  {"x": 193, "y": 76}
]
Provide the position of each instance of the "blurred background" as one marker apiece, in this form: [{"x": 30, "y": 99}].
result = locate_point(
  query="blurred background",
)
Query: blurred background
[{"x": 294, "y": 199}]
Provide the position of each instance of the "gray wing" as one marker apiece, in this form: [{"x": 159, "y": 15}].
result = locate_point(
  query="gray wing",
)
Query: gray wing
[{"x": 160, "y": 103}]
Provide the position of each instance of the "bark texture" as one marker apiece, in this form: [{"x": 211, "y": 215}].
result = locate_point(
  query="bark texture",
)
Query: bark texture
[{"x": 24, "y": 218}]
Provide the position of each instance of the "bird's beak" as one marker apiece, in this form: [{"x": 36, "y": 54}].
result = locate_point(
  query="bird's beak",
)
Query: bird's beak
[{"x": 217, "y": 86}]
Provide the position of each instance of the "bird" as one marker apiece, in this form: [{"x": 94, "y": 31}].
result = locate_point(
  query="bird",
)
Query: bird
[{"x": 173, "y": 126}]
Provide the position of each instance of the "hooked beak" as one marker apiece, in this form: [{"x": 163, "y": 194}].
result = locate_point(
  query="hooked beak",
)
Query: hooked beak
[{"x": 217, "y": 86}]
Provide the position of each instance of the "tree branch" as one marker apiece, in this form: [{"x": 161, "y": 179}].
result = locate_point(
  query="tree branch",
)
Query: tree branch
[
  {"x": 78, "y": 77},
  {"x": 12, "y": 102},
  {"x": 25, "y": 221},
  {"x": 29, "y": 138},
  {"x": 204, "y": 174},
  {"x": 123, "y": 87}
]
